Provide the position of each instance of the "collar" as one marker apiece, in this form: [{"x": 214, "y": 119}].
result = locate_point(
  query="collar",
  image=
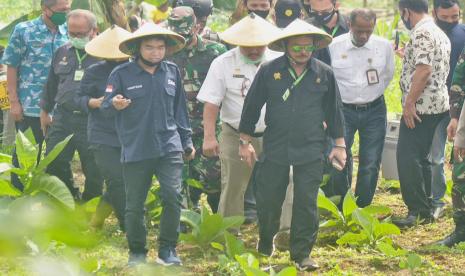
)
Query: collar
[
  {"x": 62, "y": 29},
  {"x": 369, "y": 45},
  {"x": 424, "y": 21},
  {"x": 139, "y": 70}
]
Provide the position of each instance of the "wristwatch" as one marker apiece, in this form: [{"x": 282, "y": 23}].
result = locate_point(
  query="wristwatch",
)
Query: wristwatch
[{"x": 243, "y": 142}]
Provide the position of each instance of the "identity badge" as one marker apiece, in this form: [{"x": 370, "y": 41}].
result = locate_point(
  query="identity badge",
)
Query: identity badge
[
  {"x": 78, "y": 74},
  {"x": 372, "y": 76},
  {"x": 286, "y": 95}
]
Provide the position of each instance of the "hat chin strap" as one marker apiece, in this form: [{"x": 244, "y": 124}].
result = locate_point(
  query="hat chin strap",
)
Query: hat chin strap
[{"x": 148, "y": 62}]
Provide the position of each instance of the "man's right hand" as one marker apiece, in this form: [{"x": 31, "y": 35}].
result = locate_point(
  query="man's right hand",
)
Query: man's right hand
[
  {"x": 120, "y": 102},
  {"x": 459, "y": 154},
  {"x": 210, "y": 147},
  {"x": 16, "y": 111},
  {"x": 45, "y": 121},
  {"x": 452, "y": 129}
]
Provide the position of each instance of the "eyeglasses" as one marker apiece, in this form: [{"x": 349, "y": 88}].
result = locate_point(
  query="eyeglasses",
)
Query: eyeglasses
[
  {"x": 308, "y": 48},
  {"x": 245, "y": 86}
]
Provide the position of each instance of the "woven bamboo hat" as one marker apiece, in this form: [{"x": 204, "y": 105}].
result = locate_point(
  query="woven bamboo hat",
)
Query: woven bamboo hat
[
  {"x": 250, "y": 31},
  {"x": 105, "y": 45},
  {"x": 174, "y": 41},
  {"x": 299, "y": 27}
]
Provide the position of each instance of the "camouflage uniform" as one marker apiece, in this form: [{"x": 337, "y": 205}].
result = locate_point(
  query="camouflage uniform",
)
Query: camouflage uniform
[
  {"x": 456, "y": 99},
  {"x": 194, "y": 64}
]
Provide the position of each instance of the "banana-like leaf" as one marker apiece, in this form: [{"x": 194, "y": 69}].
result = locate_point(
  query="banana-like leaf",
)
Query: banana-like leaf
[
  {"x": 349, "y": 204},
  {"x": 352, "y": 238},
  {"x": 52, "y": 186},
  {"x": 325, "y": 203},
  {"x": 191, "y": 218},
  {"x": 234, "y": 246},
  {"x": 7, "y": 189},
  {"x": 52, "y": 155},
  {"x": 26, "y": 151}
]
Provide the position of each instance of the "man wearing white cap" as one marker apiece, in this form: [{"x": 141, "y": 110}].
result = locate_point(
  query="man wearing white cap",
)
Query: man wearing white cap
[
  {"x": 300, "y": 94},
  {"x": 224, "y": 89},
  {"x": 147, "y": 97}
]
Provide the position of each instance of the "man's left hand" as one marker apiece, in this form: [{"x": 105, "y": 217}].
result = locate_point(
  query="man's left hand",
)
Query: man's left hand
[
  {"x": 340, "y": 155},
  {"x": 190, "y": 156},
  {"x": 410, "y": 115}
]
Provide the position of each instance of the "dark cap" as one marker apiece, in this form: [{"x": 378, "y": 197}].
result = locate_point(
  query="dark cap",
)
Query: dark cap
[{"x": 286, "y": 11}]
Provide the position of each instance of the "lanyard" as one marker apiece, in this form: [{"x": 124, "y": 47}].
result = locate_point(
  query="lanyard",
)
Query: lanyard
[
  {"x": 334, "y": 30},
  {"x": 79, "y": 58},
  {"x": 294, "y": 76}
]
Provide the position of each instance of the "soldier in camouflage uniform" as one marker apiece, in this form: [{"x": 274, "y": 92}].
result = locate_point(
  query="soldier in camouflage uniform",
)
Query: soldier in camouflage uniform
[
  {"x": 194, "y": 61},
  {"x": 456, "y": 131}
]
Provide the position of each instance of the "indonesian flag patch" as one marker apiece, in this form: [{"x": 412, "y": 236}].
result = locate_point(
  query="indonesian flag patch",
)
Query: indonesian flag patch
[{"x": 109, "y": 88}]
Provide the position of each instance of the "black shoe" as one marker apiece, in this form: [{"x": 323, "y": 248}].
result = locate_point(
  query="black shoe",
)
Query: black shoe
[
  {"x": 307, "y": 264},
  {"x": 136, "y": 259},
  {"x": 412, "y": 220},
  {"x": 438, "y": 212},
  {"x": 452, "y": 240},
  {"x": 265, "y": 248}
]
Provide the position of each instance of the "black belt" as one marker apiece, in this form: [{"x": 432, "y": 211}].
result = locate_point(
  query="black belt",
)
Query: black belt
[
  {"x": 255, "y": 135},
  {"x": 366, "y": 106}
]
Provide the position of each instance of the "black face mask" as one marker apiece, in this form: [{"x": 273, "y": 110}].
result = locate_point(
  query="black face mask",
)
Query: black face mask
[
  {"x": 148, "y": 62},
  {"x": 446, "y": 26},
  {"x": 323, "y": 18},
  {"x": 407, "y": 22},
  {"x": 261, "y": 13}
]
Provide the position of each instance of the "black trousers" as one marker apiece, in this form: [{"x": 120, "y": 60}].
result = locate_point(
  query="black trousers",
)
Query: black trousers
[
  {"x": 271, "y": 180},
  {"x": 64, "y": 124},
  {"x": 413, "y": 165},
  {"x": 34, "y": 124},
  {"x": 108, "y": 162}
]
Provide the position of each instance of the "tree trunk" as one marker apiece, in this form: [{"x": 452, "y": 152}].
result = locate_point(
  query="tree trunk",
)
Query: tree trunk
[{"x": 116, "y": 13}]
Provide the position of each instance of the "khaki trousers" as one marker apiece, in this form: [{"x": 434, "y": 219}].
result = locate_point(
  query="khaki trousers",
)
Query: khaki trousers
[{"x": 235, "y": 174}]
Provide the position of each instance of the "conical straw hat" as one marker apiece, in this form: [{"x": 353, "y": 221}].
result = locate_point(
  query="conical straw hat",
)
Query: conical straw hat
[
  {"x": 174, "y": 43},
  {"x": 299, "y": 27},
  {"x": 250, "y": 31},
  {"x": 105, "y": 45}
]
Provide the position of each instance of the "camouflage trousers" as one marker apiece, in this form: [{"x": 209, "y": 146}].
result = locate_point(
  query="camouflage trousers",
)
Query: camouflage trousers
[{"x": 458, "y": 195}]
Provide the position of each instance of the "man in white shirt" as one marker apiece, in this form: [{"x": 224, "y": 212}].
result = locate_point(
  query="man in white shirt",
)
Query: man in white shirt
[
  {"x": 224, "y": 90},
  {"x": 363, "y": 66}
]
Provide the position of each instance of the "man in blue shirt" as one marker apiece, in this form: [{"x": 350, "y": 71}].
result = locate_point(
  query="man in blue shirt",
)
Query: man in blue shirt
[
  {"x": 28, "y": 57},
  {"x": 147, "y": 97},
  {"x": 447, "y": 16}
]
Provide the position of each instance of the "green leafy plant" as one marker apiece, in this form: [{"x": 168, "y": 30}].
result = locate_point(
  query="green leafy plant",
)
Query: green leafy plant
[
  {"x": 207, "y": 228},
  {"x": 411, "y": 262},
  {"x": 250, "y": 266}
]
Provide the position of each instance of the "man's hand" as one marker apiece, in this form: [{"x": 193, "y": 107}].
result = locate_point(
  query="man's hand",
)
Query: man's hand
[
  {"x": 400, "y": 52},
  {"x": 16, "y": 111},
  {"x": 452, "y": 129},
  {"x": 45, "y": 121},
  {"x": 410, "y": 115},
  {"x": 338, "y": 153},
  {"x": 120, "y": 103},
  {"x": 189, "y": 156},
  {"x": 210, "y": 147},
  {"x": 95, "y": 103},
  {"x": 459, "y": 154},
  {"x": 247, "y": 154}
]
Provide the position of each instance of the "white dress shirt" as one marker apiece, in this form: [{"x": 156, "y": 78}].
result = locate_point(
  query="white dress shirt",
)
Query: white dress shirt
[
  {"x": 350, "y": 65},
  {"x": 227, "y": 83}
]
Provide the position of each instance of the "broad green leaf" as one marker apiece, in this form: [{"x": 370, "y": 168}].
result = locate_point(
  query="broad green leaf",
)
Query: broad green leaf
[
  {"x": 189, "y": 238},
  {"x": 325, "y": 181},
  {"x": 52, "y": 155},
  {"x": 232, "y": 222},
  {"x": 5, "y": 158},
  {"x": 210, "y": 229},
  {"x": 30, "y": 136},
  {"x": 91, "y": 205},
  {"x": 194, "y": 183},
  {"x": 377, "y": 210},
  {"x": 7, "y": 189},
  {"x": 5, "y": 167},
  {"x": 192, "y": 218},
  {"x": 385, "y": 229},
  {"x": 349, "y": 204},
  {"x": 329, "y": 223},
  {"x": 26, "y": 151},
  {"x": 288, "y": 271},
  {"x": 325, "y": 203},
  {"x": 389, "y": 250},
  {"x": 234, "y": 246},
  {"x": 352, "y": 238},
  {"x": 413, "y": 261},
  {"x": 365, "y": 220},
  {"x": 150, "y": 198},
  {"x": 52, "y": 186},
  {"x": 217, "y": 245}
]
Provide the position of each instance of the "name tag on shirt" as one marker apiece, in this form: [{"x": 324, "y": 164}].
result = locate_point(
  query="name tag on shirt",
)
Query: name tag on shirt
[
  {"x": 372, "y": 77},
  {"x": 78, "y": 74}
]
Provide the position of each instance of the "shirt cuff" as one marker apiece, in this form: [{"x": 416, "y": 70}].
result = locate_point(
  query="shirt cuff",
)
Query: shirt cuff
[{"x": 247, "y": 128}]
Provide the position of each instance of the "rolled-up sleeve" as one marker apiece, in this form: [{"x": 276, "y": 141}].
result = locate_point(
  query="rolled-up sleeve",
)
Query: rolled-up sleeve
[
  {"x": 334, "y": 116},
  {"x": 254, "y": 101},
  {"x": 181, "y": 115},
  {"x": 213, "y": 88}
]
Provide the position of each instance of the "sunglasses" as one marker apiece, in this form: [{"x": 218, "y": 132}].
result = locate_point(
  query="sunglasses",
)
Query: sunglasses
[{"x": 308, "y": 48}]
